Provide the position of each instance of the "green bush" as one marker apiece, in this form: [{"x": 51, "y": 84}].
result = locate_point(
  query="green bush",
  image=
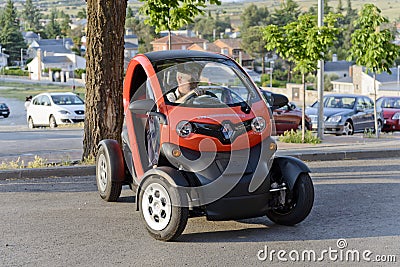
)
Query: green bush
[
  {"x": 16, "y": 72},
  {"x": 295, "y": 137},
  {"x": 78, "y": 73}
]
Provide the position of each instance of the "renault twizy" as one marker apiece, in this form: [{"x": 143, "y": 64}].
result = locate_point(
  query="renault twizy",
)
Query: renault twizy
[{"x": 210, "y": 154}]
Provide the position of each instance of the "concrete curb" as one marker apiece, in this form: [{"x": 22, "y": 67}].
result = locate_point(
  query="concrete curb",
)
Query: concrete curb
[
  {"x": 303, "y": 155},
  {"x": 343, "y": 155},
  {"x": 48, "y": 172}
]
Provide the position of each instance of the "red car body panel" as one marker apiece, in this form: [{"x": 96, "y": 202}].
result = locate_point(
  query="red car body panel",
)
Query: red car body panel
[
  {"x": 210, "y": 115},
  {"x": 390, "y": 125},
  {"x": 391, "y": 112},
  {"x": 289, "y": 119}
]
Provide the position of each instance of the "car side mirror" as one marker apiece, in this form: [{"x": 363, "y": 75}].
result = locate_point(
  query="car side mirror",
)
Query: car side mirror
[
  {"x": 278, "y": 101},
  {"x": 147, "y": 107}
]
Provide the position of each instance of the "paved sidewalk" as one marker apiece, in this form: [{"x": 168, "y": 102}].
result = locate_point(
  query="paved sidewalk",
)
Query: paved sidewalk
[
  {"x": 331, "y": 148},
  {"x": 344, "y": 147}
]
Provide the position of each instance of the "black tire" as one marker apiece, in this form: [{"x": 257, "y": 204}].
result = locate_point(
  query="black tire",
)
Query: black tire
[
  {"x": 380, "y": 126},
  {"x": 108, "y": 174},
  {"x": 52, "y": 122},
  {"x": 164, "y": 219},
  {"x": 302, "y": 201},
  {"x": 31, "y": 125}
]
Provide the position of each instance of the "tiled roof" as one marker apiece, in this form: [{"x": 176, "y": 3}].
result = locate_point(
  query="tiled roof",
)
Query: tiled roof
[
  {"x": 54, "y": 42},
  {"x": 233, "y": 43},
  {"x": 53, "y": 49},
  {"x": 342, "y": 65},
  {"x": 130, "y": 45},
  {"x": 385, "y": 77},
  {"x": 210, "y": 47},
  {"x": 56, "y": 59},
  {"x": 178, "y": 40}
]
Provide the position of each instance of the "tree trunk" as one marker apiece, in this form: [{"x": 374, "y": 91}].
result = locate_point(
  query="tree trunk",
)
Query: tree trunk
[{"x": 105, "y": 70}]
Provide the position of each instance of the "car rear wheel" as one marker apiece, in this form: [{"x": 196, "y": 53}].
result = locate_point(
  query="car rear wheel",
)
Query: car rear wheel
[
  {"x": 307, "y": 124},
  {"x": 379, "y": 127},
  {"x": 348, "y": 128},
  {"x": 298, "y": 203},
  {"x": 162, "y": 210},
  {"x": 108, "y": 172},
  {"x": 52, "y": 122},
  {"x": 31, "y": 125}
]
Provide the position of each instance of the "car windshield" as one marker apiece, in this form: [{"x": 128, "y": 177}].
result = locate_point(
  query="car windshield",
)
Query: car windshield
[
  {"x": 67, "y": 100},
  {"x": 339, "y": 102},
  {"x": 220, "y": 83},
  {"x": 389, "y": 103}
]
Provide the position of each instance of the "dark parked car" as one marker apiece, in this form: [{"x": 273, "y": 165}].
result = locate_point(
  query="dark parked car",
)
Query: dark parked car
[
  {"x": 391, "y": 112},
  {"x": 346, "y": 114},
  {"x": 4, "y": 110},
  {"x": 286, "y": 115}
]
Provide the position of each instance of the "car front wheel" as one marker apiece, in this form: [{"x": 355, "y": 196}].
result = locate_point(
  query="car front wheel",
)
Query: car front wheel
[
  {"x": 298, "y": 203},
  {"x": 162, "y": 210},
  {"x": 348, "y": 128}
]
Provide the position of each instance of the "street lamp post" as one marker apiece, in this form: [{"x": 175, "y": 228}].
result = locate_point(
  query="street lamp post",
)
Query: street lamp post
[
  {"x": 398, "y": 79},
  {"x": 22, "y": 57},
  {"x": 270, "y": 73},
  {"x": 2, "y": 59}
]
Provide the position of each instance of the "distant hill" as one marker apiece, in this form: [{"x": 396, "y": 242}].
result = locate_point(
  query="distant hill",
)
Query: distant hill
[{"x": 390, "y": 8}]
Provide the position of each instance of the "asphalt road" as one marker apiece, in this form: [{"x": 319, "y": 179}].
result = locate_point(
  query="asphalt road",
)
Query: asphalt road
[
  {"x": 63, "y": 144},
  {"x": 18, "y": 141},
  {"x": 63, "y": 222}
]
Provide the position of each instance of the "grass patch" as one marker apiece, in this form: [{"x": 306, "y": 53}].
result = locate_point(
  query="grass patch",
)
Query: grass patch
[
  {"x": 91, "y": 160},
  {"x": 39, "y": 162},
  {"x": 295, "y": 137}
]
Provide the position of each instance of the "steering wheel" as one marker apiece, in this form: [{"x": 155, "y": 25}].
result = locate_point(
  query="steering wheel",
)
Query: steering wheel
[
  {"x": 193, "y": 94},
  {"x": 229, "y": 93}
]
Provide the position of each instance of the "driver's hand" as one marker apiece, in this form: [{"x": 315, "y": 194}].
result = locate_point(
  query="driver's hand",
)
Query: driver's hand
[{"x": 199, "y": 91}]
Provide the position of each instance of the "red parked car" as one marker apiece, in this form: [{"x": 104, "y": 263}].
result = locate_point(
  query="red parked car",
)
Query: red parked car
[
  {"x": 391, "y": 112},
  {"x": 286, "y": 115}
]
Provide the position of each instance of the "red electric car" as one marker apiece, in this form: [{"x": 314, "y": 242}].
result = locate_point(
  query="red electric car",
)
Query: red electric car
[{"x": 210, "y": 154}]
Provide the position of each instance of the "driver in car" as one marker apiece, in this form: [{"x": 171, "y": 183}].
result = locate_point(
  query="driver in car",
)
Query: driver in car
[{"x": 188, "y": 80}]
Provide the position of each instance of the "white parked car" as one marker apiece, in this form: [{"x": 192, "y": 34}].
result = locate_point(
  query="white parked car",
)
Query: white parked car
[{"x": 53, "y": 109}]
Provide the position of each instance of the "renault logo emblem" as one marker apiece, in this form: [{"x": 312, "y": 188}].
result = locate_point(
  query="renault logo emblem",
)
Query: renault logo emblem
[{"x": 227, "y": 130}]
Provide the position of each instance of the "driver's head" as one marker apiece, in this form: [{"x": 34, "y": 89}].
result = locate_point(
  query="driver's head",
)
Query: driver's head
[{"x": 187, "y": 75}]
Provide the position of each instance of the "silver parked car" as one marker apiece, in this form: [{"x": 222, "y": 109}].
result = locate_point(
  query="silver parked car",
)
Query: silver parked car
[
  {"x": 346, "y": 114},
  {"x": 53, "y": 109}
]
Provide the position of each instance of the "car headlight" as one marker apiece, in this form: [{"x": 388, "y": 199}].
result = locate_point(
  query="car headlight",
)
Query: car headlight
[
  {"x": 396, "y": 116},
  {"x": 258, "y": 124},
  {"x": 64, "y": 112},
  {"x": 334, "y": 119},
  {"x": 184, "y": 128}
]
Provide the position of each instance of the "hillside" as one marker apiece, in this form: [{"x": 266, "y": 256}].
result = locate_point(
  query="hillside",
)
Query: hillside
[{"x": 232, "y": 8}]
